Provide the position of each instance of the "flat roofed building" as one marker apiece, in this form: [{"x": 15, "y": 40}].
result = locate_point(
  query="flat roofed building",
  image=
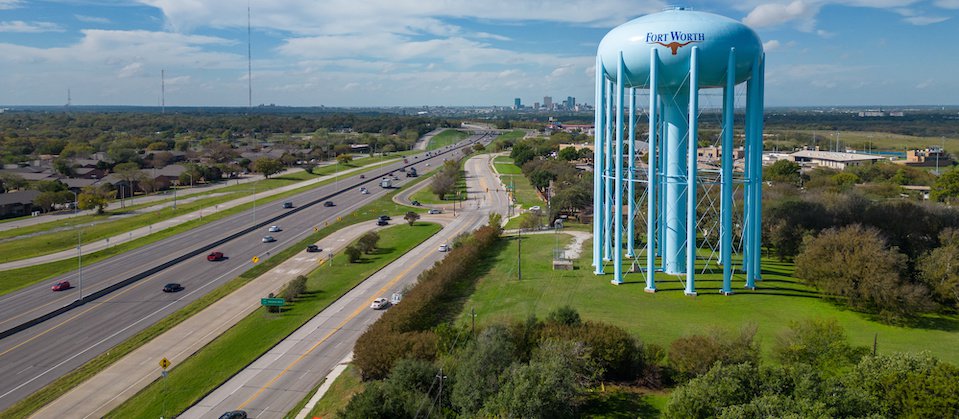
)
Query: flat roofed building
[{"x": 832, "y": 159}]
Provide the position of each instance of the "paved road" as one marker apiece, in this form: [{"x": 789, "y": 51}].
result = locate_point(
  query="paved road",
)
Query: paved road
[
  {"x": 282, "y": 377},
  {"x": 127, "y": 236},
  {"x": 32, "y": 358}
]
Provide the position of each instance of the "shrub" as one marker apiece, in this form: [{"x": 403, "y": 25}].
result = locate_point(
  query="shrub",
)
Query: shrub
[
  {"x": 294, "y": 288},
  {"x": 353, "y": 253},
  {"x": 693, "y": 355}
]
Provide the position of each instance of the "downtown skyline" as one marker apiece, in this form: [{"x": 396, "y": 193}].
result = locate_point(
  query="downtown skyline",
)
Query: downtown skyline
[{"x": 379, "y": 53}]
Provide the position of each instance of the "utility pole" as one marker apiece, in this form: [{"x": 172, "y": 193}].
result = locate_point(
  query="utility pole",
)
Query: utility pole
[{"x": 519, "y": 252}]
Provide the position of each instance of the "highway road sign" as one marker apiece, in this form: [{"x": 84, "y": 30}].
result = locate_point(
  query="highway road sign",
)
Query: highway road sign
[
  {"x": 272, "y": 302},
  {"x": 164, "y": 363},
  {"x": 255, "y": 259}
]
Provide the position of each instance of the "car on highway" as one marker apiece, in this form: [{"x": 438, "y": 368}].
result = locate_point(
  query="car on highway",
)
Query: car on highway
[
  {"x": 415, "y": 203},
  {"x": 234, "y": 414},
  {"x": 172, "y": 287},
  {"x": 435, "y": 211},
  {"x": 395, "y": 298},
  {"x": 287, "y": 204},
  {"x": 61, "y": 286},
  {"x": 385, "y": 217},
  {"x": 268, "y": 239},
  {"x": 214, "y": 256},
  {"x": 328, "y": 204},
  {"x": 444, "y": 248},
  {"x": 275, "y": 229},
  {"x": 364, "y": 191},
  {"x": 362, "y": 176},
  {"x": 313, "y": 248},
  {"x": 380, "y": 303},
  {"x": 382, "y": 222}
]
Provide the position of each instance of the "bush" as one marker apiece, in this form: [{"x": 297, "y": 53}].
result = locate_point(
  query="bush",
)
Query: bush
[
  {"x": 294, "y": 288},
  {"x": 367, "y": 242},
  {"x": 691, "y": 356},
  {"x": 353, "y": 253},
  {"x": 818, "y": 343}
]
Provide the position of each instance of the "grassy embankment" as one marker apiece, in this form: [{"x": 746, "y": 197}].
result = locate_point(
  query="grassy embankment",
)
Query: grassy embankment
[
  {"x": 14, "y": 279},
  {"x": 445, "y": 138},
  {"x": 525, "y": 194}
]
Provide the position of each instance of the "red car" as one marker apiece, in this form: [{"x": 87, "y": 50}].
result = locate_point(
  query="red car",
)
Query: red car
[
  {"x": 215, "y": 256},
  {"x": 61, "y": 286}
]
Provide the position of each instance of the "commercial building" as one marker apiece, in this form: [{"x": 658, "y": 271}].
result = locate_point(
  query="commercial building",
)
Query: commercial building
[{"x": 832, "y": 159}]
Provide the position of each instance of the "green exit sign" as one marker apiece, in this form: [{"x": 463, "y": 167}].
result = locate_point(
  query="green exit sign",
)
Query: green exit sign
[{"x": 272, "y": 302}]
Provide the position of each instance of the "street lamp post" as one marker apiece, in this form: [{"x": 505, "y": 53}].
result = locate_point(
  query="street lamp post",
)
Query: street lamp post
[{"x": 76, "y": 203}]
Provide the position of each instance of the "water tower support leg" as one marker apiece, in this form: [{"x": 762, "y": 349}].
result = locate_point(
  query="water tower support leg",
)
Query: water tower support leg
[
  {"x": 753, "y": 172},
  {"x": 631, "y": 175},
  {"x": 597, "y": 164},
  {"x": 608, "y": 175},
  {"x": 618, "y": 181},
  {"x": 758, "y": 205},
  {"x": 652, "y": 215},
  {"x": 691, "y": 169},
  {"x": 726, "y": 199}
]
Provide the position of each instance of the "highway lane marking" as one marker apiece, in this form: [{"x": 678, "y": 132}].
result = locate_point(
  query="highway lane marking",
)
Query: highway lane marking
[
  {"x": 108, "y": 337},
  {"x": 139, "y": 251},
  {"x": 339, "y": 326}
]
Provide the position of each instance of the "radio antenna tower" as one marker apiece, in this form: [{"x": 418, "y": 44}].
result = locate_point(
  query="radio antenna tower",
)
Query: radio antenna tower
[
  {"x": 162, "y": 91},
  {"x": 249, "y": 59},
  {"x": 69, "y": 100}
]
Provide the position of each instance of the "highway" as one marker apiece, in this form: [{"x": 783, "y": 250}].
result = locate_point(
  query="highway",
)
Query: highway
[
  {"x": 277, "y": 381},
  {"x": 31, "y": 358}
]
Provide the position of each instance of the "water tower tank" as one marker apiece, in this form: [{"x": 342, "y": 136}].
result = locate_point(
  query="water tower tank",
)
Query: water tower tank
[{"x": 674, "y": 33}]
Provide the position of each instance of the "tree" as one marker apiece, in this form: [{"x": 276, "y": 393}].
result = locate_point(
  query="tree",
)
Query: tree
[
  {"x": 344, "y": 158},
  {"x": 821, "y": 344},
  {"x": 479, "y": 367},
  {"x": 496, "y": 221},
  {"x": 352, "y": 253},
  {"x": 531, "y": 220},
  {"x": 93, "y": 197},
  {"x": 442, "y": 184},
  {"x": 130, "y": 174},
  {"x": 569, "y": 154},
  {"x": 693, "y": 355},
  {"x": 367, "y": 242},
  {"x": 939, "y": 269},
  {"x": 149, "y": 184},
  {"x": 267, "y": 166},
  {"x": 908, "y": 385},
  {"x": 9, "y": 181},
  {"x": 853, "y": 265},
  {"x": 721, "y": 386},
  {"x": 522, "y": 153},
  {"x": 294, "y": 288},
  {"x": 63, "y": 167},
  {"x": 411, "y": 217},
  {"x": 946, "y": 187},
  {"x": 783, "y": 171}
]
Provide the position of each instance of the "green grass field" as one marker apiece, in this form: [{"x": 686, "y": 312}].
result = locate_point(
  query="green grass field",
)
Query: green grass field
[
  {"x": 339, "y": 394},
  {"x": 427, "y": 197},
  {"x": 514, "y": 135},
  {"x": 445, "y": 138},
  {"x": 879, "y": 140},
  {"x": 662, "y": 317},
  {"x": 259, "y": 331}
]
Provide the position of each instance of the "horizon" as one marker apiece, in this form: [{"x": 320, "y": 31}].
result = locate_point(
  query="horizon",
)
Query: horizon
[{"x": 823, "y": 53}]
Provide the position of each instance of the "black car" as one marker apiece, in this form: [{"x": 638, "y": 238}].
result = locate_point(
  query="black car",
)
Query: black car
[
  {"x": 172, "y": 287},
  {"x": 385, "y": 217},
  {"x": 382, "y": 222},
  {"x": 313, "y": 248},
  {"x": 234, "y": 414},
  {"x": 328, "y": 204},
  {"x": 287, "y": 205},
  {"x": 415, "y": 203}
]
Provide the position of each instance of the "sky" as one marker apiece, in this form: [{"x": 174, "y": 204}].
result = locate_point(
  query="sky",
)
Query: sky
[{"x": 445, "y": 52}]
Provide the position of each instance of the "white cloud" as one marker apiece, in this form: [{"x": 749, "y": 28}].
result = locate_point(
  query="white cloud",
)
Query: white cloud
[
  {"x": 485, "y": 35},
  {"x": 947, "y": 4},
  {"x": 771, "y": 45},
  {"x": 10, "y": 4},
  {"x": 130, "y": 70},
  {"x": 91, "y": 19},
  {"x": 925, "y": 20},
  {"x": 774, "y": 14},
  {"x": 20, "y": 26}
]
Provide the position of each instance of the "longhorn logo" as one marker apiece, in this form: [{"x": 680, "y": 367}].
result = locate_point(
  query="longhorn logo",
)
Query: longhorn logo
[{"x": 675, "y": 46}]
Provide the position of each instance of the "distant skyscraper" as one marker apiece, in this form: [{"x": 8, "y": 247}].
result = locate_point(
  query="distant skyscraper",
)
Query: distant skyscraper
[
  {"x": 548, "y": 102},
  {"x": 517, "y": 103},
  {"x": 536, "y": 105},
  {"x": 570, "y": 102}
]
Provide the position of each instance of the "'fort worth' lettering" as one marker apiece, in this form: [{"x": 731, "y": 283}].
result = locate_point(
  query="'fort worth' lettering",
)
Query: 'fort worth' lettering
[{"x": 675, "y": 36}]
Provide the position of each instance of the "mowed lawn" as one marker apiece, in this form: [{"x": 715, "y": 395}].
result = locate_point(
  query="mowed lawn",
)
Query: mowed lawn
[
  {"x": 445, "y": 138},
  {"x": 662, "y": 317}
]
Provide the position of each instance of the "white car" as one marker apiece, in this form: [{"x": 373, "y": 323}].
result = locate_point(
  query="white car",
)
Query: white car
[
  {"x": 395, "y": 298},
  {"x": 268, "y": 239},
  {"x": 380, "y": 303},
  {"x": 435, "y": 211},
  {"x": 275, "y": 229},
  {"x": 535, "y": 208},
  {"x": 444, "y": 248},
  {"x": 364, "y": 191}
]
